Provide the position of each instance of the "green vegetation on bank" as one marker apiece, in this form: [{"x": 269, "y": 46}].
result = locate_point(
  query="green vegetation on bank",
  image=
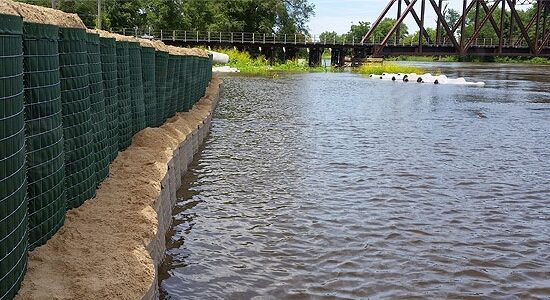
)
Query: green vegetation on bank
[
  {"x": 379, "y": 69},
  {"x": 260, "y": 65}
]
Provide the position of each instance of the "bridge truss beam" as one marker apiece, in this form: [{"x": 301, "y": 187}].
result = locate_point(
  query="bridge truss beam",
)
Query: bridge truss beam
[{"x": 463, "y": 42}]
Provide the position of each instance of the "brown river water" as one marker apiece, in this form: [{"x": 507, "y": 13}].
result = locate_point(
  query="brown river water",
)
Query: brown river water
[{"x": 334, "y": 186}]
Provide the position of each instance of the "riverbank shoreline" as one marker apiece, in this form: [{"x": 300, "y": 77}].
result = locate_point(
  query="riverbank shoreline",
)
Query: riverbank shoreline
[
  {"x": 112, "y": 245},
  {"x": 536, "y": 61}
]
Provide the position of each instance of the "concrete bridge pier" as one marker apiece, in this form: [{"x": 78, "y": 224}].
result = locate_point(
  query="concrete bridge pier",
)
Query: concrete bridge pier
[
  {"x": 315, "y": 56},
  {"x": 338, "y": 57}
]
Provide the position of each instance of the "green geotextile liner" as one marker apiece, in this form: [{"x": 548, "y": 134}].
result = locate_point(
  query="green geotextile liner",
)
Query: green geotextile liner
[
  {"x": 175, "y": 86},
  {"x": 110, "y": 93},
  {"x": 192, "y": 83},
  {"x": 97, "y": 102},
  {"x": 209, "y": 67},
  {"x": 188, "y": 70},
  {"x": 80, "y": 179},
  {"x": 195, "y": 81},
  {"x": 180, "y": 105},
  {"x": 208, "y": 71},
  {"x": 125, "y": 128},
  {"x": 161, "y": 72},
  {"x": 149, "y": 88},
  {"x": 44, "y": 132},
  {"x": 204, "y": 74},
  {"x": 169, "y": 86},
  {"x": 13, "y": 187},
  {"x": 136, "y": 88},
  {"x": 202, "y": 68}
]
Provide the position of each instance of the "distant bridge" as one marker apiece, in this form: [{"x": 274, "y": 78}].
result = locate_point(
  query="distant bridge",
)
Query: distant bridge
[{"x": 533, "y": 38}]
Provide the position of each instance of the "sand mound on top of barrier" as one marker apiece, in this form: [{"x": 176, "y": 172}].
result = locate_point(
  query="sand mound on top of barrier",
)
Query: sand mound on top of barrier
[
  {"x": 7, "y": 9},
  {"x": 102, "y": 251},
  {"x": 39, "y": 14}
]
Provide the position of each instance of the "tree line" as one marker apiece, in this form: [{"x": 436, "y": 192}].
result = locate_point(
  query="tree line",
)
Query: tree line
[{"x": 265, "y": 16}]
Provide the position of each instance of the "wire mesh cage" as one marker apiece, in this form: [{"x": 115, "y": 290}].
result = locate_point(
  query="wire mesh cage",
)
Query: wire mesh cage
[
  {"x": 80, "y": 168},
  {"x": 44, "y": 132},
  {"x": 136, "y": 88},
  {"x": 13, "y": 184}
]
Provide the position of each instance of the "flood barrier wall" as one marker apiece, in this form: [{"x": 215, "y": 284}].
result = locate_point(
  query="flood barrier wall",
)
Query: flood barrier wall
[{"x": 70, "y": 100}]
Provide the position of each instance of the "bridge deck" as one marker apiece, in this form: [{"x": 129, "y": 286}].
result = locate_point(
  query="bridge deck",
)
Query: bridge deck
[{"x": 479, "y": 47}]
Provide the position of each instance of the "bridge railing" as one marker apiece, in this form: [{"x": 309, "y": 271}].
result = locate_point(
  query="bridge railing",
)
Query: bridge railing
[{"x": 209, "y": 37}]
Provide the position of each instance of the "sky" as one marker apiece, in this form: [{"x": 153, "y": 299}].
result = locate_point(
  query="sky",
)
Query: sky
[{"x": 338, "y": 15}]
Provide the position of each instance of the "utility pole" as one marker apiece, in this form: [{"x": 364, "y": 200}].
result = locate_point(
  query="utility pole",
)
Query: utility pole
[
  {"x": 99, "y": 14},
  {"x": 54, "y": 4}
]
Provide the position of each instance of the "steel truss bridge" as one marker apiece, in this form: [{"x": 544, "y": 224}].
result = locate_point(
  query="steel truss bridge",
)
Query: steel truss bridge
[{"x": 516, "y": 39}]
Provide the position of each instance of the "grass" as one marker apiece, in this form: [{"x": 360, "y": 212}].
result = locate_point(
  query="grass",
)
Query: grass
[
  {"x": 260, "y": 65},
  {"x": 387, "y": 68}
]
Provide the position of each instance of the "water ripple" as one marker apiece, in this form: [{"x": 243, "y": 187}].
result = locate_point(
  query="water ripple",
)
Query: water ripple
[{"x": 330, "y": 186}]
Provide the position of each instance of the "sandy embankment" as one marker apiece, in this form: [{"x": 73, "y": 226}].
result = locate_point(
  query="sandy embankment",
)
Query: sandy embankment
[{"x": 111, "y": 246}]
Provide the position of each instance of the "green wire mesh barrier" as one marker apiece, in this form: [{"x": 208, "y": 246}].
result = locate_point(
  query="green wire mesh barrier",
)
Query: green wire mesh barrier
[
  {"x": 208, "y": 71},
  {"x": 192, "y": 81},
  {"x": 188, "y": 66},
  {"x": 202, "y": 74},
  {"x": 13, "y": 203},
  {"x": 97, "y": 103},
  {"x": 69, "y": 101},
  {"x": 175, "y": 86},
  {"x": 110, "y": 93},
  {"x": 44, "y": 132},
  {"x": 169, "y": 86},
  {"x": 180, "y": 104},
  {"x": 124, "y": 98},
  {"x": 80, "y": 179},
  {"x": 136, "y": 88},
  {"x": 161, "y": 71},
  {"x": 195, "y": 80},
  {"x": 149, "y": 88}
]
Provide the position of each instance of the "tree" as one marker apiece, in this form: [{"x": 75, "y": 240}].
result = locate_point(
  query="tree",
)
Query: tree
[
  {"x": 385, "y": 27},
  {"x": 451, "y": 16},
  {"x": 413, "y": 38},
  {"x": 268, "y": 16},
  {"x": 357, "y": 32},
  {"x": 124, "y": 14},
  {"x": 329, "y": 37},
  {"x": 164, "y": 14}
]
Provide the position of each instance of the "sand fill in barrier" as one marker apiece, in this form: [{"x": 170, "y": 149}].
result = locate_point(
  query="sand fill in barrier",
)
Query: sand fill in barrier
[{"x": 110, "y": 247}]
